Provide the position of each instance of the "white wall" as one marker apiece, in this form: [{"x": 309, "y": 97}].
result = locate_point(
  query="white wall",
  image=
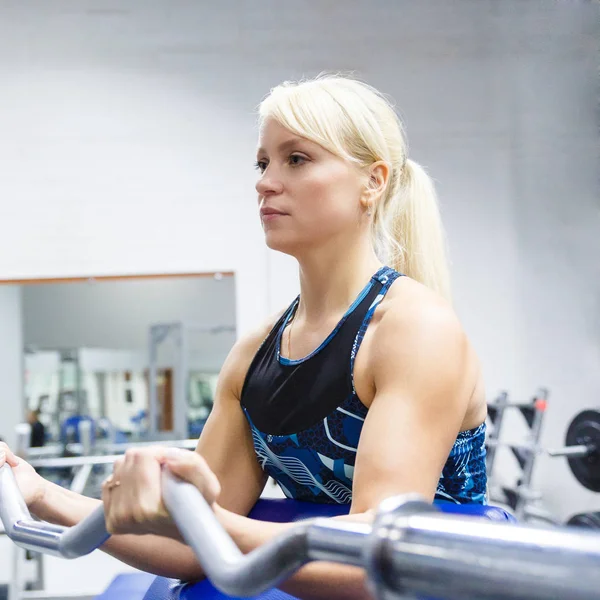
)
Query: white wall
[
  {"x": 121, "y": 157},
  {"x": 128, "y": 137}
]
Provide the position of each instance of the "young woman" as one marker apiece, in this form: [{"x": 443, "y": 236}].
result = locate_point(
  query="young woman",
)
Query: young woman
[{"x": 363, "y": 388}]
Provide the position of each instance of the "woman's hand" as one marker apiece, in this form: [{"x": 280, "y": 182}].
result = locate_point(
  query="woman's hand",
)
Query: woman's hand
[
  {"x": 32, "y": 486},
  {"x": 191, "y": 467},
  {"x": 132, "y": 495}
]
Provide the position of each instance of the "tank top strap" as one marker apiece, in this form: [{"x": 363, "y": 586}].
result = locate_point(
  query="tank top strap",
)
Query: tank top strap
[{"x": 386, "y": 276}]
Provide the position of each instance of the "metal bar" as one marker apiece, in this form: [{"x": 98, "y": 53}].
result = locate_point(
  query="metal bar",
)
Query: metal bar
[
  {"x": 80, "y": 480},
  {"x": 190, "y": 444},
  {"x": 23, "y": 434},
  {"x": 536, "y": 431},
  {"x": 44, "y": 537},
  {"x": 539, "y": 514},
  {"x": 213, "y": 329},
  {"x": 572, "y": 451},
  {"x": 181, "y": 400},
  {"x": 104, "y": 459},
  {"x": 74, "y": 461},
  {"x": 111, "y": 448},
  {"x": 516, "y": 405},
  {"x": 49, "y": 450},
  {"x": 101, "y": 381},
  {"x": 41, "y": 595},
  {"x": 494, "y": 434},
  {"x": 152, "y": 381},
  {"x": 440, "y": 556},
  {"x": 246, "y": 575},
  {"x": 81, "y": 404},
  {"x": 84, "y": 428},
  {"x": 40, "y": 576},
  {"x": 16, "y": 584},
  {"x": 495, "y": 443}
]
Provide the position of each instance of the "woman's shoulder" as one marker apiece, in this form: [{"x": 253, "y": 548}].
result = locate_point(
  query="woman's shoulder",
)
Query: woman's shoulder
[
  {"x": 416, "y": 320},
  {"x": 417, "y": 333},
  {"x": 410, "y": 304}
]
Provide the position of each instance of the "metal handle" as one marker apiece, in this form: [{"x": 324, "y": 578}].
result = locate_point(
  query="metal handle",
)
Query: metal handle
[
  {"x": 21, "y": 528},
  {"x": 237, "y": 574}
]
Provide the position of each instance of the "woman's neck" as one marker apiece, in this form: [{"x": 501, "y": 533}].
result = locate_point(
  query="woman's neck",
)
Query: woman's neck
[{"x": 329, "y": 284}]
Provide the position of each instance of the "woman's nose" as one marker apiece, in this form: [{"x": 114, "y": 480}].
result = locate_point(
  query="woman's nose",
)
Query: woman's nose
[{"x": 269, "y": 185}]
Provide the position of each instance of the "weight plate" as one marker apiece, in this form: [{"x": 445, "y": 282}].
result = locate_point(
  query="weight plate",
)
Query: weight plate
[{"x": 585, "y": 429}]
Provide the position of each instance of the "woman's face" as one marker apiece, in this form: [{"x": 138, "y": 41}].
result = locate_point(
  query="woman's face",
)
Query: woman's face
[{"x": 307, "y": 196}]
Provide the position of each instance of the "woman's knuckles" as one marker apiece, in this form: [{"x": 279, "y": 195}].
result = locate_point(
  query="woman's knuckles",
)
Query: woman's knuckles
[
  {"x": 147, "y": 512},
  {"x": 135, "y": 454}
]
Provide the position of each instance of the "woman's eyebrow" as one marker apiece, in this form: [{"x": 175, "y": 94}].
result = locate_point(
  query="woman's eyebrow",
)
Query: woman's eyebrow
[{"x": 287, "y": 145}]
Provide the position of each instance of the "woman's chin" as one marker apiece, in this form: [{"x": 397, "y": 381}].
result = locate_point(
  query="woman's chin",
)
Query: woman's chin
[{"x": 280, "y": 243}]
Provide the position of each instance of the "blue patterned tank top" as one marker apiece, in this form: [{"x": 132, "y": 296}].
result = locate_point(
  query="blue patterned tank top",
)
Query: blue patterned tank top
[{"x": 306, "y": 418}]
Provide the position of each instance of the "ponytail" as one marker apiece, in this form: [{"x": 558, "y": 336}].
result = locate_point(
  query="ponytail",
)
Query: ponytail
[{"x": 409, "y": 227}]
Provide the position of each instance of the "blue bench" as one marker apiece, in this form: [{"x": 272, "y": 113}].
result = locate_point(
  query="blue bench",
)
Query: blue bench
[{"x": 142, "y": 586}]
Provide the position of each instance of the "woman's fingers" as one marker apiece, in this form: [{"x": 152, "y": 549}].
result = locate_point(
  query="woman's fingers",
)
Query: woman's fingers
[
  {"x": 132, "y": 494},
  {"x": 192, "y": 467},
  {"x": 7, "y": 456}
]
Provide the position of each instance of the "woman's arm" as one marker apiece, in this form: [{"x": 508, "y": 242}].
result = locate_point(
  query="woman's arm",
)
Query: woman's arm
[
  {"x": 151, "y": 553},
  {"x": 423, "y": 386}
]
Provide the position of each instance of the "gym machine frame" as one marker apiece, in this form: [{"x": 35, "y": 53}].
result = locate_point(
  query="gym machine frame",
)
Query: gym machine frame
[
  {"x": 526, "y": 453},
  {"x": 411, "y": 549},
  {"x": 158, "y": 333}
]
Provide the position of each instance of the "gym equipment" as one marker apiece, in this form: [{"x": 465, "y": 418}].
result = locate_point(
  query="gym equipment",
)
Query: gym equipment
[
  {"x": 117, "y": 450},
  {"x": 493, "y": 436},
  {"x": 278, "y": 511},
  {"x": 180, "y": 334},
  {"x": 586, "y": 520},
  {"x": 78, "y": 429},
  {"x": 411, "y": 548},
  {"x": 521, "y": 497},
  {"x": 533, "y": 412},
  {"x": 582, "y": 448}
]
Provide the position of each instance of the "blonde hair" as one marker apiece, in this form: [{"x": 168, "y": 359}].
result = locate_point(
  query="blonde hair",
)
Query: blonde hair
[{"x": 356, "y": 122}]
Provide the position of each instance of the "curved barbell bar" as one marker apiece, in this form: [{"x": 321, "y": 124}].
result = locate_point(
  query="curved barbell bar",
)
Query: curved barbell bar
[{"x": 411, "y": 549}]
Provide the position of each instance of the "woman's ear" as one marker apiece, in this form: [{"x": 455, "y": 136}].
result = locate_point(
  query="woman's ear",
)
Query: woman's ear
[
  {"x": 379, "y": 174},
  {"x": 377, "y": 180}
]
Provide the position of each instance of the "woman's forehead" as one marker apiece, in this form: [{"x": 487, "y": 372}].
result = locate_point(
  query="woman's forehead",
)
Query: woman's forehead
[{"x": 274, "y": 137}]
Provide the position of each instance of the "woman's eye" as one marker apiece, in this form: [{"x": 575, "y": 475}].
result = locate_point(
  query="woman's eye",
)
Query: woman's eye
[
  {"x": 260, "y": 165},
  {"x": 296, "y": 160}
]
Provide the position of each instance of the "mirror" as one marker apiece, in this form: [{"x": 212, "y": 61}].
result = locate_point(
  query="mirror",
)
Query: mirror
[{"x": 139, "y": 356}]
